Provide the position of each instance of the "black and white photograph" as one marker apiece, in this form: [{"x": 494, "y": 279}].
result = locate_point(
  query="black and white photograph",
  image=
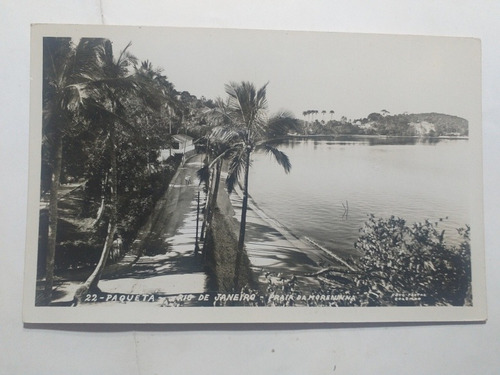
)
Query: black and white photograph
[{"x": 182, "y": 175}]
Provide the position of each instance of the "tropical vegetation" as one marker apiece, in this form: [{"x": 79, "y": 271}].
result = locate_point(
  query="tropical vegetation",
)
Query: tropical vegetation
[
  {"x": 383, "y": 123},
  {"x": 106, "y": 118},
  {"x": 247, "y": 129},
  {"x": 399, "y": 265}
]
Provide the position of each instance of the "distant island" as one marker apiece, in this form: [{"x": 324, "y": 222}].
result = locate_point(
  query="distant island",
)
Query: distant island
[{"x": 407, "y": 125}]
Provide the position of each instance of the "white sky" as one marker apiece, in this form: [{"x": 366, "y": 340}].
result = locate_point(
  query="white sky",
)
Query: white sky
[{"x": 352, "y": 74}]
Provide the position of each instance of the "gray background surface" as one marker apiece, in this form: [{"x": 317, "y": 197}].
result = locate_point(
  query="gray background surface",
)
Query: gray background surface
[{"x": 269, "y": 349}]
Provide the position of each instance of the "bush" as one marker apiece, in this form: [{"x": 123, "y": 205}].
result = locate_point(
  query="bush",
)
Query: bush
[
  {"x": 412, "y": 265},
  {"x": 138, "y": 202}
]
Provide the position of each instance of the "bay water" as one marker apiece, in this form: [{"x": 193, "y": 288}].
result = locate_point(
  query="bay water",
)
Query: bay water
[{"x": 336, "y": 182}]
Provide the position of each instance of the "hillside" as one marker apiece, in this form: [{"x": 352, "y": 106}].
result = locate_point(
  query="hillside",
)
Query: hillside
[
  {"x": 421, "y": 124},
  {"x": 444, "y": 124}
]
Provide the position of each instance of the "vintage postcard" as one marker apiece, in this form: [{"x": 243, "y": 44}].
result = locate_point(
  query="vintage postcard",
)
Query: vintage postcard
[{"x": 244, "y": 176}]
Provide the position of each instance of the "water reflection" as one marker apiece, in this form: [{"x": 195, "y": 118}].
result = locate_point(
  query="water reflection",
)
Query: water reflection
[
  {"x": 360, "y": 139},
  {"x": 413, "y": 178}
]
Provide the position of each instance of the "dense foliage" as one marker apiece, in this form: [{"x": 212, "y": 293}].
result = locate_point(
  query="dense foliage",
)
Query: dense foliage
[
  {"x": 106, "y": 117},
  {"x": 413, "y": 262},
  {"x": 400, "y": 265}
]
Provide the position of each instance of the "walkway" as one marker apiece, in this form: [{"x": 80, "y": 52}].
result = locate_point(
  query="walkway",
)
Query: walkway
[
  {"x": 169, "y": 235},
  {"x": 175, "y": 269}
]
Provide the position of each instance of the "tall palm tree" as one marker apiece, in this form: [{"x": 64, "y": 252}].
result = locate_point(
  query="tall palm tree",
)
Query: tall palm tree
[
  {"x": 157, "y": 87},
  {"x": 84, "y": 84},
  {"x": 66, "y": 68},
  {"x": 215, "y": 146},
  {"x": 247, "y": 110},
  {"x": 108, "y": 90},
  {"x": 305, "y": 114},
  {"x": 160, "y": 96},
  {"x": 210, "y": 174}
]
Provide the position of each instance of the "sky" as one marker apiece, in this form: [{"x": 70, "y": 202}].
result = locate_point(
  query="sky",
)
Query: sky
[{"x": 351, "y": 74}]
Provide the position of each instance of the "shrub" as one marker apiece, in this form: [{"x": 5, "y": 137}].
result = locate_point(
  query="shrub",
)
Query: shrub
[{"x": 412, "y": 265}]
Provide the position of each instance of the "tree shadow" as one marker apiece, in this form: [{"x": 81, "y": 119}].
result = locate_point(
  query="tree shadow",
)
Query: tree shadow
[
  {"x": 148, "y": 267},
  {"x": 261, "y": 233}
]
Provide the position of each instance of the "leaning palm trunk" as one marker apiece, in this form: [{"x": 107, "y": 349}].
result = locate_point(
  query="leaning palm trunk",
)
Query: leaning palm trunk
[
  {"x": 213, "y": 191},
  {"x": 243, "y": 222},
  {"x": 53, "y": 217},
  {"x": 91, "y": 283},
  {"x": 218, "y": 170},
  {"x": 208, "y": 185},
  {"x": 100, "y": 211}
]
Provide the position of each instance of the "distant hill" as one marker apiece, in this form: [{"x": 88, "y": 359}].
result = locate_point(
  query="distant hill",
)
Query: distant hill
[
  {"x": 415, "y": 124},
  {"x": 409, "y": 125},
  {"x": 444, "y": 124}
]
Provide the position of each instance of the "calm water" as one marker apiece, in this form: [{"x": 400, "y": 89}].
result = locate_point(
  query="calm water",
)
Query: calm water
[{"x": 409, "y": 178}]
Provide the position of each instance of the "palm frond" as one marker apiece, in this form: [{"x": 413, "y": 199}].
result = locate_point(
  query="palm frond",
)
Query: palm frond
[
  {"x": 126, "y": 83},
  {"x": 261, "y": 100},
  {"x": 246, "y": 103},
  {"x": 236, "y": 168},
  {"x": 219, "y": 115},
  {"x": 280, "y": 157},
  {"x": 221, "y": 134},
  {"x": 203, "y": 174},
  {"x": 125, "y": 59},
  {"x": 225, "y": 152},
  {"x": 87, "y": 61},
  {"x": 281, "y": 124},
  {"x": 148, "y": 92},
  {"x": 105, "y": 113}
]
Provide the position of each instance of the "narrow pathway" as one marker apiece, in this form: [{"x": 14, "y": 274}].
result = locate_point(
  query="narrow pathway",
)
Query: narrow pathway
[{"x": 174, "y": 269}]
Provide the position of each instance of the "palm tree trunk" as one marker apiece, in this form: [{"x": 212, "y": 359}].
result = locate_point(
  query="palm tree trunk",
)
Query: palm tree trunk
[
  {"x": 100, "y": 211},
  {"x": 53, "y": 217},
  {"x": 93, "y": 279},
  {"x": 213, "y": 191},
  {"x": 243, "y": 222},
  {"x": 207, "y": 203},
  {"x": 218, "y": 170}
]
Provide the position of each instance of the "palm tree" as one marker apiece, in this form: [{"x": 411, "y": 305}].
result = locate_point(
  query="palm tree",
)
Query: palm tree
[
  {"x": 65, "y": 71},
  {"x": 215, "y": 147},
  {"x": 108, "y": 90},
  {"x": 160, "y": 93},
  {"x": 85, "y": 85},
  {"x": 57, "y": 53},
  {"x": 249, "y": 131},
  {"x": 331, "y": 114},
  {"x": 305, "y": 114}
]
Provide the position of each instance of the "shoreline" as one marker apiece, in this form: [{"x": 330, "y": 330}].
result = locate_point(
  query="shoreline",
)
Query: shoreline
[
  {"x": 301, "y": 244},
  {"x": 375, "y": 136},
  {"x": 277, "y": 256}
]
